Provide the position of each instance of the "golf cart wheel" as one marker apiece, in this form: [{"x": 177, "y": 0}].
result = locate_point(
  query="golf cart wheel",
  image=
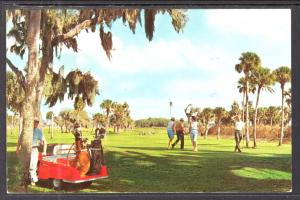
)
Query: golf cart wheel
[{"x": 57, "y": 184}]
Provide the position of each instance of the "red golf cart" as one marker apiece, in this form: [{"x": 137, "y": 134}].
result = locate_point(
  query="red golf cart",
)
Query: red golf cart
[{"x": 60, "y": 165}]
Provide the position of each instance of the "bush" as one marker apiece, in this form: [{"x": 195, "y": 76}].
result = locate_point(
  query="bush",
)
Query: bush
[
  {"x": 152, "y": 122},
  {"x": 265, "y": 132}
]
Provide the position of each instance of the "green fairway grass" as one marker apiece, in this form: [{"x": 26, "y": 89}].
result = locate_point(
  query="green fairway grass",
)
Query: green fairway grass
[{"x": 138, "y": 161}]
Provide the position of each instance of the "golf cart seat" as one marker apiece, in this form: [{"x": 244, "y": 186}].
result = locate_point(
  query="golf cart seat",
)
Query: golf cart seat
[{"x": 63, "y": 149}]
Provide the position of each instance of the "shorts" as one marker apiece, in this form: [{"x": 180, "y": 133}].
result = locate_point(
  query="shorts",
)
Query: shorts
[
  {"x": 194, "y": 135},
  {"x": 170, "y": 134}
]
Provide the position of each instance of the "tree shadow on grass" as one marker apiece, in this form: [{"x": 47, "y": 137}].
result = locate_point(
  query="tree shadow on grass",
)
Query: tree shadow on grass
[{"x": 204, "y": 171}]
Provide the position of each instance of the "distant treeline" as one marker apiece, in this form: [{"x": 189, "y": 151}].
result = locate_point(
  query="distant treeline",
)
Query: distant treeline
[{"x": 152, "y": 122}]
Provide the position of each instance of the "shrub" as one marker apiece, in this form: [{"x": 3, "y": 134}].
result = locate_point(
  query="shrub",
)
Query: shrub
[{"x": 265, "y": 132}]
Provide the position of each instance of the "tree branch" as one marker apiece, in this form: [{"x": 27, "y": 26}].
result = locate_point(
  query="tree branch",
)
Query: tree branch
[
  {"x": 20, "y": 77},
  {"x": 63, "y": 37}
]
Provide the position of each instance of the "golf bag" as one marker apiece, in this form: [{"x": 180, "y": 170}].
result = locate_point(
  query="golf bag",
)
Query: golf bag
[{"x": 96, "y": 152}]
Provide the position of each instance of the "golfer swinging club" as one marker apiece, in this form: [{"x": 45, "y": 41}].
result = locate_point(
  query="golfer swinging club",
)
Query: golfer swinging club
[{"x": 238, "y": 128}]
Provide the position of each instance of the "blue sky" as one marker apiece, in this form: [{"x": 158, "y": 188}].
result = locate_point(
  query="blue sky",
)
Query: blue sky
[{"x": 195, "y": 66}]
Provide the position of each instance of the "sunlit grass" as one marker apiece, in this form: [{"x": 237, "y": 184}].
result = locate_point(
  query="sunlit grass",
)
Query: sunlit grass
[{"x": 258, "y": 173}]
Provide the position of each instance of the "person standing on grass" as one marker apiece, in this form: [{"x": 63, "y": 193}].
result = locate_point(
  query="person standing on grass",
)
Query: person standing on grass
[
  {"x": 180, "y": 134},
  {"x": 38, "y": 140},
  {"x": 193, "y": 128},
  {"x": 171, "y": 131},
  {"x": 238, "y": 128}
]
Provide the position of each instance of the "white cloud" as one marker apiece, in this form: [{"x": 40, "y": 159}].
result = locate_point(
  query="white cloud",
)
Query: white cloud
[
  {"x": 272, "y": 25},
  {"x": 130, "y": 59},
  {"x": 157, "y": 56}
]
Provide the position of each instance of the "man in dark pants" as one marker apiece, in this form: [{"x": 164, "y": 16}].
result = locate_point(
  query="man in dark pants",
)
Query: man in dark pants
[
  {"x": 180, "y": 134},
  {"x": 238, "y": 128}
]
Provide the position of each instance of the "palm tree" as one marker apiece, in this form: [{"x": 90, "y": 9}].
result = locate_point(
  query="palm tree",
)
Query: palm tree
[
  {"x": 99, "y": 119},
  {"x": 126, "y": 116},
  {"x": 249, "y": 62},
  {"x": 242, "y": 89},
  {"x": 78, "y": 106},
  {"x": 220, "y": 113},
  {"x": 261, "y": 115},
  {"x": 288, "y": 101},
  {"x": 282, "y": 76},
  {"x": 60, "y": 122},
  {"x": 170, "y": 104},
  {"x": 67, "y": 117},
  {"x": 235, "y": 109},
  {"x": 263, "y": 79},
  {"x": 206, "y": 116},
  {"x": 287, "y": 115},
  {"x": 288, "y": 97},
  {"x": 118, "y": 111},
  {"x": 271, "y": 113},
  {"x": 49, "y": 116},
  {"x": 107, "y": 105}
]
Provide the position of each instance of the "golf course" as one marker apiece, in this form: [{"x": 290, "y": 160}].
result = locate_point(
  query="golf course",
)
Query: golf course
[
  {"x": 141, "y": 163},
  {"x": 110, "y": 90}
]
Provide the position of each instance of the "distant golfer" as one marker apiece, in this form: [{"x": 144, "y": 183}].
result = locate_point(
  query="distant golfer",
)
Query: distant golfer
[
  {"x": 180, "y": 134},
  {"x": 193, "y": 128},
  {"x": 171, "y": 131},
  {"x": 238, "y": 128}
]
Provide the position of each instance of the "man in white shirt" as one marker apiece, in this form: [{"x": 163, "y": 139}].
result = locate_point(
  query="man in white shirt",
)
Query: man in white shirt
[
  {"x": 238, "y": 128},
  {"x": 38, "y": 140}
]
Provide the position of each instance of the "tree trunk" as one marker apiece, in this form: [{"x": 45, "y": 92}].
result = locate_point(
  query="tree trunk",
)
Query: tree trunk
[
  {"x": 33, "y": 35},
  {"x": 271, "y": 121},
  {"x": 243, "y": 111},
  {"x": 66, "y": 126},
  {"x": 107, "y": 120},
  {"x": 47, "y": 52},
  {"x": 219, "y": 129},
  {"x": 52, "y": 126},
  {"x": 247, "y": 113},
  {"x": 206, "y": 131},
  {"x": 255, "y": 117},
  {"x": 20, "y": 123},
  {"x": 12, "y": 125},
  {"x": 243, "y": 107},
  {"x": 282, "y": 116}
]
